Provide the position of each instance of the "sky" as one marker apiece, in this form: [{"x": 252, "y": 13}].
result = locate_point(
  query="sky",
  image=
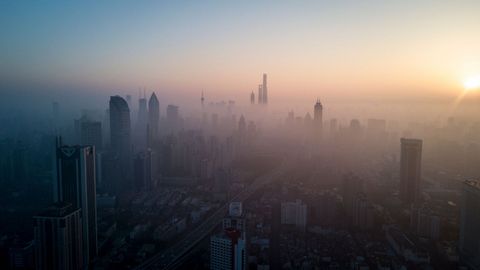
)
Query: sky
[{"x": 337, "y": 50}]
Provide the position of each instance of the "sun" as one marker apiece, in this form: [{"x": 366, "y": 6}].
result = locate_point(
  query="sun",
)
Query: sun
[{"x": 472, "y": 83}]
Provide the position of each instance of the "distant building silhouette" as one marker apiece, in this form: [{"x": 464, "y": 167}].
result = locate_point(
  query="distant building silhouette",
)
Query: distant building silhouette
[
  {"x": 58, "y": 238},
  {"x": 91, "y": 134},
  {"x": 252, "y": 98},
  {"x": 351, "y": 186},
  {"x": 265, "y": 89},
  {"x": 318, "y": 118},
  {"x": 120, "y": 133},
  {"x": 76, "y": 184},
  {"x": 260, "y": 94},
  {"x": 469, "y": 242},
  {"x": 153, "y": 117},
  {"x": 294, "y": 213},
  {"x": 142, "y": 123},
  {"x": 144, "y": 170},
  {"x": 410, "y": 170}
]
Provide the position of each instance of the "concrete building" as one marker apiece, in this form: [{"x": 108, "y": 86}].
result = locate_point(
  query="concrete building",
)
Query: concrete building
[
  {"x": 58, "y": 238},
  {"x": 76, "y": 184},
  {"x": 294, "y": 213},
  {"x": 410, "y": 170},
  {"x": 469, "y": 242}
]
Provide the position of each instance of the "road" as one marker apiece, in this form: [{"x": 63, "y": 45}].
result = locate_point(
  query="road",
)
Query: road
[{"x": 168, "y": 259}]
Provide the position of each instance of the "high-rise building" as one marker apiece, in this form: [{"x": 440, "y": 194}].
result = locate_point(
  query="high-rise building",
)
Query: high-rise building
[
  {"x": 294, "y": 213},
  {"x": 469, "y": 242},
  {"x": 227, "y": 251},
  {"x": 363, "y": 212},
  {"x": 260, "y": 94},
  {"x": 120, "y": 138},
  {"x": 252, "y": 98},
  {"x": 91, "y": 134},
  {"x": 144, "y": 170},
  {"x": 58, "y": 238},
  {"x": 242, "y": 125},
  {"x": 318, "y": 118},
  {"x": 76, "y": 184},
  {"x": 265, "y": 89},
  {"x": 410, "y": 170},
  {"x": 228, "y": 248},
  {"x": 424, "y": 222},
  {"x": 351, "y": 186},
  {"x": 141, "y": 125},
  {"x": 172, "y": 112},
  {"x": 153, "y": 117}
]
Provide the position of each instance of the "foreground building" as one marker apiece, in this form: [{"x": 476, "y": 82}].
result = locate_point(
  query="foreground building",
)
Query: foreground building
[{"x": 58, "y": 238}]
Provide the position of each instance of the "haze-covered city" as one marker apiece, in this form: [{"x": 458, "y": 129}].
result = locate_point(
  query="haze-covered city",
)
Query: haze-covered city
[{"x": 270, "y": 135}]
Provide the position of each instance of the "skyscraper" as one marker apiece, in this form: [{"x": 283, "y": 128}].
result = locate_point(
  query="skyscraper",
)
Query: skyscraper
[
  {"x": 91, "y": 134},
  {"x": 228, "y": 248},
  {"x": 318, "y": 118},
  {"x": 120, "y": 139},
  {"x": 153, "y": 116},
  {"x": 410, "y": 170},
  {"x": 252, "y": 98},
  {"x": 265, "y": 90},
  {"x": 351, "y": 186},
  {"x": 260, "y": 94},
  {"x": 469, "y": 242},
  {"x": 172, "y": 113},
  {"x": 58, "y": 238},
  {"x": 76, "y": 184},
  {"x": 144, "y": 170},
  {"x": 141, "y": 125}
]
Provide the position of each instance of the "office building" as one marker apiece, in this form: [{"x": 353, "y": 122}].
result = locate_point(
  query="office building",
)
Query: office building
[
  {"x": 265, "y": 89},
  {"x": 410, "y": 170},
  {"x": 469, "y": 242},
  {"x": 228, "y": 248},
  {"x": 58, "y": 238},
  {"x": 76, "y": 184},
  {"x": 144, "y": 170},
  {"x": 260, "y": 94},
  {"x": 363, "y": 213},
  {"x": 91, "y": 134},
  {"x": 120, "y": 133},
  {"x": 318, "y": 119},
  {"x": 294, "y": 213},
  {"x": 351, "y": 186},
  {"x": 153, "y": 117}
]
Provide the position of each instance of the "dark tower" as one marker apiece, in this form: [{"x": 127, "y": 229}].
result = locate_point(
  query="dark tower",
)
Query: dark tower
[
  {"x": 265, "y": 91},
  {"x": 58, "y": 238},
  {"x": 153, "y": 116},
  {"x": 119, "y": 125},
  {"x": 260, "y": 94},
  {"x": 76, "y": 184},
  {"x": 252, "y": 98},
  {"x": 410, "y": 170},
  {"x": 318, "y": 118}
]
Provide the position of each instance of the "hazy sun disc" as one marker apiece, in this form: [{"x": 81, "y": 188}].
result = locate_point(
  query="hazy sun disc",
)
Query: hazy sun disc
[{"x": 472, "y": 83}]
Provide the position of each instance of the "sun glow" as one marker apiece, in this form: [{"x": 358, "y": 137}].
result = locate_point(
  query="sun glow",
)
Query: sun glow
[{"x": 472, "y": 83}]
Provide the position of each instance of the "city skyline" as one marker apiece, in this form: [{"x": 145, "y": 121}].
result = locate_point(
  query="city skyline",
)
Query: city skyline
[
  {"x": 412, "y": 50},
  {"x": 240, "y": 135}
]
